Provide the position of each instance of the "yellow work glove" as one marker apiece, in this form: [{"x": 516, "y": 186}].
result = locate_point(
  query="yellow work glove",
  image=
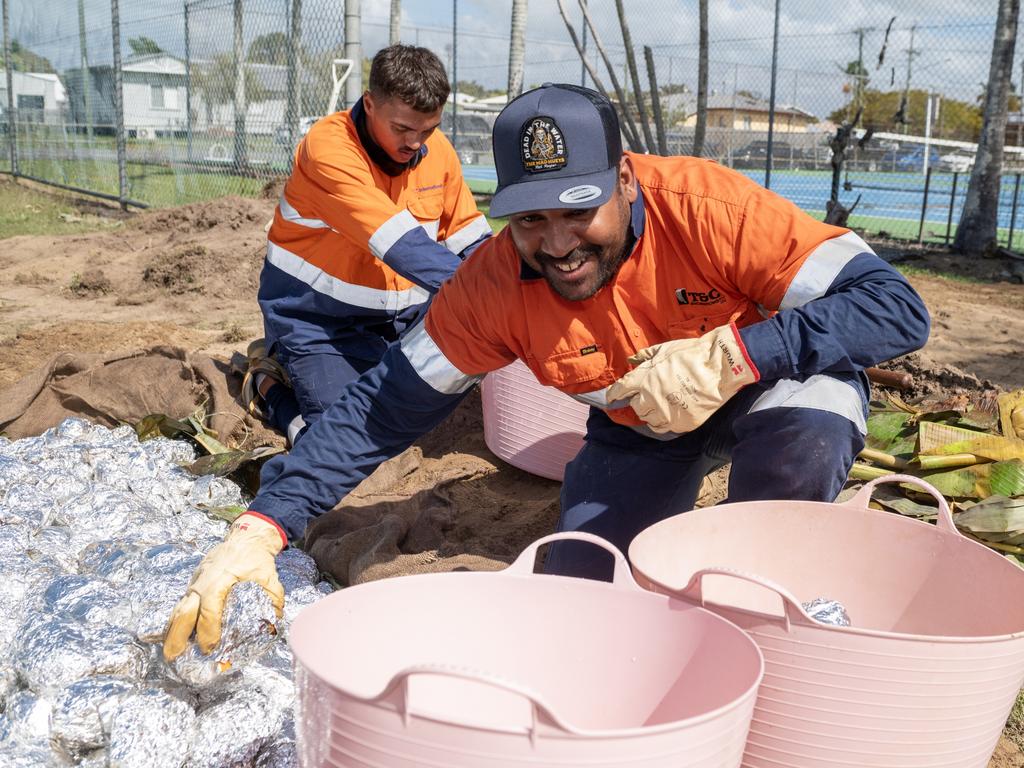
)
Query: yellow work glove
[
  {"x": 246, "y": 554},
  {"x": 677, "y": 385}
]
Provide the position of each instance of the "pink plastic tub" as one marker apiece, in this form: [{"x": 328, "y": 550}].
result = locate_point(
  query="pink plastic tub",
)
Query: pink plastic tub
[
  {"x": 532, "y": 427},
  {"x": 511, "y": 668},
  {"x": 926, "y": 675}
]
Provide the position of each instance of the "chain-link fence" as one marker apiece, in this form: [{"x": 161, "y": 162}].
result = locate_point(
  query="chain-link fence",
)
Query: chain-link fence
[{"x": 216, "y": 93}]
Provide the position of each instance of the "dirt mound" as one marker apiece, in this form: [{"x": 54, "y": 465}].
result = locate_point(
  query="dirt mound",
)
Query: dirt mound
[
  {"x": 197, "y": 268},
  {"x": 938, "y": 380},
  {"x": 233, "y": 213}
]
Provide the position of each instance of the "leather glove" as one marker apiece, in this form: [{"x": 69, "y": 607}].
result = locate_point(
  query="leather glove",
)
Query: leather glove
[
  {"x": 246, "y": 554},
  {"x": 678, "y": 385}
]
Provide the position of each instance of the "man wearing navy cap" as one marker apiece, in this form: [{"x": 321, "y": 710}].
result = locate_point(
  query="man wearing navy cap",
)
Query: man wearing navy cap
[{"x": 704, "y": 319}]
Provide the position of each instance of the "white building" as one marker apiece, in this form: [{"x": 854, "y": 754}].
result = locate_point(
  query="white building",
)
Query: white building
[{"x": 39, "y": 96}]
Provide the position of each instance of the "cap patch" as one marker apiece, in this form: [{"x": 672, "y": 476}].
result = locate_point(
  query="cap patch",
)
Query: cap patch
[
  {"x": 542, "y": 146},
  {"x": 580, "y": 194}
]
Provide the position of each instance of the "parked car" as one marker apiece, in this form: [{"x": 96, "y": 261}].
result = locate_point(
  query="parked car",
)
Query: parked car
[
  {"x": 911, "y": 159},
  {"x": 755, "y": 155},
  {"x": 957, "y": 161}
]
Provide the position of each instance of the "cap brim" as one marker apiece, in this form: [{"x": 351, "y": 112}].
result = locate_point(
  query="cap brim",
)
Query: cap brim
[{"x": 546, "y": 194}]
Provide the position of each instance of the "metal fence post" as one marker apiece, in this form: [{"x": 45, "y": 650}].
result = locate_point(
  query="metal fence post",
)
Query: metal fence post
[
  {"x": 188, "y": 89},
  {"x": 12, "y": 123},
  {"x": 294, "y": 80},
  {"x": 1013, "y": 212},
  {"x": 952, "y": 202},
  {"x": 122, "y": 165},
  {"x": 924, "y": 204}
]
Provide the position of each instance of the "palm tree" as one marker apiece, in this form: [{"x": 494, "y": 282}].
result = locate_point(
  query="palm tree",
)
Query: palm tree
[
  {"x": 976, "y": 233},
  {"x": 517, "y": 48},
  {"x": 395, "y": 31}
]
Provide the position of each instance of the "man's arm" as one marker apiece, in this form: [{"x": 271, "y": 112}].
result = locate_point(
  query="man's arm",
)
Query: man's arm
[
  {"x": 844, "y": 310},
  {"x": 379, "y": 415}
]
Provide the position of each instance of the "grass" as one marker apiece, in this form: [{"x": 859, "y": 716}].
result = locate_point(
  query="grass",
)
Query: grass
[
  {"x": 28, "y": 211},
  {"x": 908, "y": 271}
]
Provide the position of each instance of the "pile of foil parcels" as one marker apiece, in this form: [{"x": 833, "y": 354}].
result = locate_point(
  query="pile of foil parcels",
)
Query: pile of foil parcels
[{"x": 99, "y": 536}]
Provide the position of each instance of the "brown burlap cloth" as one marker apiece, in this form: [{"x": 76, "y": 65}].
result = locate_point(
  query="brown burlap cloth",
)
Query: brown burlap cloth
[{"x": 445, "y": 504}]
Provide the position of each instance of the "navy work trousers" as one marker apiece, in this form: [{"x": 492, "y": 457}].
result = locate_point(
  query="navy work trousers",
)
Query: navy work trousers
[{"x": 786, "y": 440}]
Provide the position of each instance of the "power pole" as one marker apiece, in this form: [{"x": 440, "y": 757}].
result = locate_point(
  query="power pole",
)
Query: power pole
[
  {"x": 353, "y": 52},
  {"x": 455, "y": 75},
  {"x": 395, "y": 27},
  {"x": 583, "y": 64}
]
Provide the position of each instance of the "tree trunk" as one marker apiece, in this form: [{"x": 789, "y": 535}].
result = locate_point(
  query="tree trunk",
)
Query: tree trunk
[
  {"x": 598, "y": 85},
  {"x": 976, "y": 233},
  {"x": 353, "y": 51},
  {"x": 632, "y": 136},
  {"x": 638, "y": 91},
  {"x": 517, "y": 48},
  {"x": 702, "y": 82},
  {"x": 395, "y": 28},
  {"x": 659, "y": 122}
]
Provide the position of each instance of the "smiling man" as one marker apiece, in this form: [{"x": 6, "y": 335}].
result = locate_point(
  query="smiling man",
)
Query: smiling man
[
  {"x": 704, "y": 319},
  {"x": 374, "y": 217}
]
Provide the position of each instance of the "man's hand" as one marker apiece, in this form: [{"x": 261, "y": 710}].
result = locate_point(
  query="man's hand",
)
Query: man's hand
[
  {"x": 677, "y": 385},
  {"x": 246, "y": 554}
]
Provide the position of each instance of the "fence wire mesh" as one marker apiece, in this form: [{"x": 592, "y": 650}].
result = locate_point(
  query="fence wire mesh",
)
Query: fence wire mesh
[{"x": 216, "y": 93}]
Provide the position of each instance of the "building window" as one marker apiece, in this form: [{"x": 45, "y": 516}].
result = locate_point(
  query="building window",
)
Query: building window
[
  {"x": 156, "y": 96},
  {"x": 746, "y": 122},
  {"x": 30, "y": 108}
]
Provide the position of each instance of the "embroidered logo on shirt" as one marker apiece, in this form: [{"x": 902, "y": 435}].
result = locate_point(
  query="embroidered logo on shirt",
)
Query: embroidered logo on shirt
[
  {"x": 713, "y": 296},
  {"x": 542, "y": 146},
  {"x": 588, "y": 350},
  {"x": 431, "y": 187}
]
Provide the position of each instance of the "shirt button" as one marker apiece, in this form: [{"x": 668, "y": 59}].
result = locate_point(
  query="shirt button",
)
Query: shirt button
[{"x": 636, "y": 332}]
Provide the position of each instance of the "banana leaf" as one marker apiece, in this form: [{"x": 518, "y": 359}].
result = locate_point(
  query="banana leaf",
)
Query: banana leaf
[
  {"x": 162, "y": 425},
  {"x": 885, "y": 428},
  {"x": 1005, "y": 478},
  {"x": 221, "y": 464},
  {"x": 906, "y": 506},
  {"x": 227, "y": 514},
  {"x": 207, "y": 440},
  {"x": 943, "y": 440},
  {"x": 861, "y": 471},
  {"x": 996, "y": 514}
]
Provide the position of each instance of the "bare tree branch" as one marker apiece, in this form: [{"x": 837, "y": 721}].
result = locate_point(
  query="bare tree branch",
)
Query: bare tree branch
[
  {"x": 632, "y": 136},
  {"x": 638, "y": 92},
  {"x": 659, "y": 123}
]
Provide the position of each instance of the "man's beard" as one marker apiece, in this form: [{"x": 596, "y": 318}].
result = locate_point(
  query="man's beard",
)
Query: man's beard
[{"x": 609, "y": 259}]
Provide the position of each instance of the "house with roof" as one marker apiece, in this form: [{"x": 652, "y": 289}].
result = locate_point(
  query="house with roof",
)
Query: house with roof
[
  {"x": 153, "y": 86},
  {"x": 740, "y": 111}
]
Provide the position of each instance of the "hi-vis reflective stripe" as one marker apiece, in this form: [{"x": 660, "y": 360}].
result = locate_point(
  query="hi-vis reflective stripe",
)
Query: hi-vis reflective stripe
[
  {"x": 395, "y": 228},
  {"x": 288, "y": 213},
  {"x": 820, "y": 392},
  {"x": 348, "y": 293},
  {"x": 432, "y": 366},
  {"x": 599, "y": 399},
  {"x": 468, "y": 235},
  {"x": 821, "y": 268}
]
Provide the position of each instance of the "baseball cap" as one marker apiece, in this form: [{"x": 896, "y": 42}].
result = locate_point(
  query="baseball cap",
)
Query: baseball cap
[{"x": 557, "y": 146}]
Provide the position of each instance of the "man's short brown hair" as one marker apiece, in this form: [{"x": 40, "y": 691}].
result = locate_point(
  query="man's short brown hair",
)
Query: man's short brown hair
[{"x": 414, "y": 75}]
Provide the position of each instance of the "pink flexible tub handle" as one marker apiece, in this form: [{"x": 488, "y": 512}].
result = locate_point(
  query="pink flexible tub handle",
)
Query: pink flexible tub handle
[
  {"x": 945, "y": 519},
  {"x": 622, "y": 578},
  {"x": 792, "y": 610},
  {"x": 400, "y": 684}
]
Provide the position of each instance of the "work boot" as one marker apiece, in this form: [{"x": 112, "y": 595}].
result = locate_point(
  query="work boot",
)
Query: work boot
[{"x": 259, "y": 364}]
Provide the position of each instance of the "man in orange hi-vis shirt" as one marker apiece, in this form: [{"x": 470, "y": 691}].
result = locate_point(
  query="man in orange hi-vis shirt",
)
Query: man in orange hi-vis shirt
[
  {"x": 704, "y": 318},
  {"x": 374, "y": 217}
]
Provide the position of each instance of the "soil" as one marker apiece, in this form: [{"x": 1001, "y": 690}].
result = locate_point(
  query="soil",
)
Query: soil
[{"x": 188, "y": 276}]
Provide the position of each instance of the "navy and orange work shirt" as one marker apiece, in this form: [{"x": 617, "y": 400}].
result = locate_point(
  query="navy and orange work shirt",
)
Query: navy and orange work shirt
[
  {"x": 353, "y": 250},
  {"x": 712, "y": 247}
]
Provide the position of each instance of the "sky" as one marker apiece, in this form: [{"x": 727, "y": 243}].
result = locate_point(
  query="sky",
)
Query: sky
[{"x": 951, "y": 40}]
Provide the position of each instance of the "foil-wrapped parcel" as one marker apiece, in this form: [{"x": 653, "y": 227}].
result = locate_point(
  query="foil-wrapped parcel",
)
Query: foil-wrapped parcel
[{"x": 99, "y": 537}]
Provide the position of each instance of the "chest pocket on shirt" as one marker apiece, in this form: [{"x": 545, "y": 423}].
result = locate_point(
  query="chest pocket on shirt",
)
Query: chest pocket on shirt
[
  {"x": 427, "y": 210},
  {"x": 692, "y": 327},
  {"x": 567, "y": 369}
]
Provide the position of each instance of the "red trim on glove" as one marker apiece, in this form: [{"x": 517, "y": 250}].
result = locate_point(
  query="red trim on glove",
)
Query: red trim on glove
[
  {"x": 264, "y": 518},
  {"x": 743, "y": 349}
]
